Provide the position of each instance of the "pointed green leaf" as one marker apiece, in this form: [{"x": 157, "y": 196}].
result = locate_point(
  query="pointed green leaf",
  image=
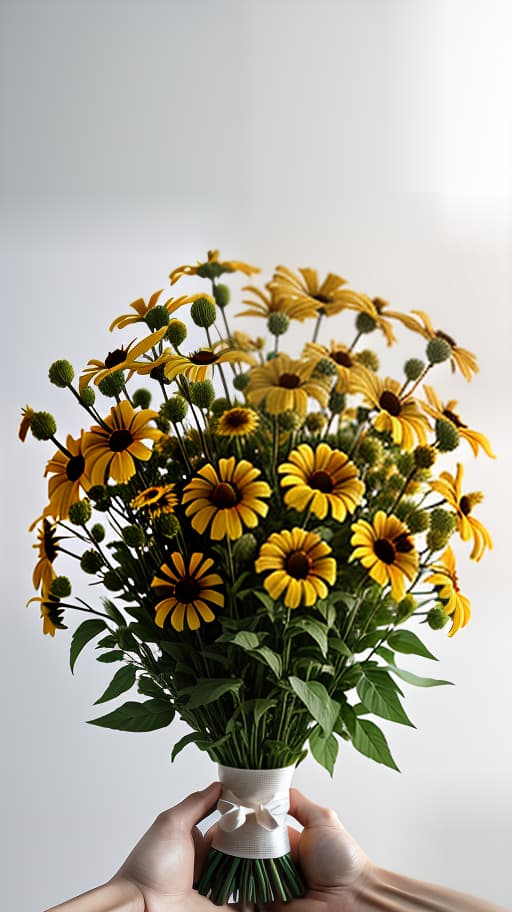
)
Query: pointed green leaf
[
  {"x": 191, "y": 738},
  {"x": 315, "y": 629},
  {"x": 149, "y": 688},
  {"x": 340, "y": 646},
  {"x": 123, "y": 679},
  {"x": 317, "y": 701},
  {"x": 407, "y": 642},
  {"x": 379, "y": 697},
  {"x": 209, "y": 689},
  {"x": 82, "y": 635},
  {"x": 246, "y": 639},
  {"x": 416, "y": 679},
  {"x": 369, "y": 740},
  {"x": 269, "y": 657},
  {"x": 114, "y": 656},
  {"x": 137, "y": 717},
  {"x": 324, "y": 748},
  {"x": 113, "y": 612}
]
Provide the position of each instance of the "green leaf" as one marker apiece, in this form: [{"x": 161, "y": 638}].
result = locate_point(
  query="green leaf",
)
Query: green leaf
[
  {"x": 209, "y": 689},
  {"x": 265, "y": 599},
  {"x": 317, "y": 701},
  {"x": 324, "y": 748},
  {"x": 369, "y": 740},
  {"x": 137, "y": 717},
  {"x": 82, "y": 635},
  {"x": 377, "y": 691},
  {"x": 244, "y": 638},
  {"x": 115, "y": 656},
  {"x": 191, "y": 738},
  {"x": 416, "y": 679},
  {"x": 113, "y": 612},
  {"x": 406, "y": 641},
  {"x": 123, "y": 679},
  {"x": 328, "y": 612},
  {"x": 269, "y": 657},
  {"x": 262, "y": 706},
  {"x": 386, "y": 654},
  {"x": 340, "y": 647},
  {"x": 149, "y": 688},
  {"x": 315, "y": 629}
]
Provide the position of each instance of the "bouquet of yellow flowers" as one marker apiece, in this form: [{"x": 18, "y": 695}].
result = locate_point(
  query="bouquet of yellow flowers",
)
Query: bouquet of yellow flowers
[{"x": 268, "y": 536}]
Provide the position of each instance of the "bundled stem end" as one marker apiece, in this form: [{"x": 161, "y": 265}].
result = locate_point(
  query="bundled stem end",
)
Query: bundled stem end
[{"x": 250, "y": 880}]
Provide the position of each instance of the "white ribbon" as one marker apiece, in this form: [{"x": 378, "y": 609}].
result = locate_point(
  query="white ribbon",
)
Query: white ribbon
[{"x": 234, "y": 812}]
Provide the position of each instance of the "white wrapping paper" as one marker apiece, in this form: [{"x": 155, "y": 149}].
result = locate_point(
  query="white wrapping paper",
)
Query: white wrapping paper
[{"x": 253, "y": 807}]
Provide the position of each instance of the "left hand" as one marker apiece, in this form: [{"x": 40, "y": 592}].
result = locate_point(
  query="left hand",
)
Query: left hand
[{"x": 169, "y": 858}]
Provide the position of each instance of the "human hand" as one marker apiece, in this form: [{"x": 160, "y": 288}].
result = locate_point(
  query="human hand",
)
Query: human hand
[{"x": 168, "y": 859}]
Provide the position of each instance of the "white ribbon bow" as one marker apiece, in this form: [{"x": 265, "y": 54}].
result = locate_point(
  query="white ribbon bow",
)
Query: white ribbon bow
[{"x": 234, "y": 812}]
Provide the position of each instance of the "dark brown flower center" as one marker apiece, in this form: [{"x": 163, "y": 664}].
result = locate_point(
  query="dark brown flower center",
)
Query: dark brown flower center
[
  {"x": 236, "y": 418},
  {"x": 465, "y": 504},
  {"x": 442, "y": 335},
  {"x": 289, "y": 381},
  {"x": 75, "y": 467},
  {"x": 323, "y": 299},
  {"x": 390, "y": 403},
  {"x": 186, "y": 590},
  {"x": 321, "y": 481},
  {"x": 453, "y": 418},
  {"x": 116, "y": 357},
  {"x": 298, "y": 564},
  {"x": 224, "y": 496},
  {"x": 403, "y": 543},
  {"x": 203, "y": 357},
  {"x": 342, "y": 357},
  {"x": 120, "y": 440},
  {"x": 379, "y": 304},
  {"x": 384, "y": 550}
]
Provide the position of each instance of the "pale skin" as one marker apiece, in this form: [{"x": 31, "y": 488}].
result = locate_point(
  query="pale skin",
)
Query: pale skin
[{"x": 159, "y": 873}]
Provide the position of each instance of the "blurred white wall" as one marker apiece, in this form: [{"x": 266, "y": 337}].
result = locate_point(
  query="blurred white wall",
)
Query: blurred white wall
[{"x": 370, "y": 137}]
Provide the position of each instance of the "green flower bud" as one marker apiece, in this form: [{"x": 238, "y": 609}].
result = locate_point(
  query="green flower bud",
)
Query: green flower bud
[
  {"x": 202, "y": 393},
  {"x": 203, "y": 311},
  {"x": 88, "y": 396},
  {"x": 167, "y": 524},
  {"x": 43, "y": 425},
  {"x": 394, "y": 483},
  {"x": 176, "y": 333},
  {"x": 337, "y": 402},
  {"x": 418, "y": 521},
  {"x": 404, "y": 508},
  {"x": 174, "y": 409},
  {"x": 60, "y": 587},
  {"x": 134, "y": 536},
  {"x": 365, "y": 323},
  {"x": 157, "y": 317},
  {"x": 240, "y": 381},
  {"x": 424, "y": 457},
  {"x": 413, "y": 368},
  {"x": 438, "y": 350},
  {"x": 370, "y": 451},
  {"x": 91, "y": 561},
  {"x": 123, "y": 491},
  {"x": 100, "y": 496},
  {"x": 290, "y": 421},
  {"x": 245, "y": 548},
  {"x": 163, "y": 424},
  {"x": 61, "y": 373},
  {"x": 447, "y": 435},
  {"x": 219, "y": 406},
  {"x": 443, "y": 521},
  {"x": 112, "y": 384},
  {"x": 271, "y": 356},
  {"x": 436, "y": 540},
  {"x": 278, "y": 323},
  {"x": 222, "y": 295},
  {"x": 141, "y": 398},
  {"x": 325, "y": 368},
  {"x": 437, "y": 617},
  {"x": 315, "y": 422},
  {"x": 362, "y": 414},
  {"x": 368, "y": 359},
  {"x": 80, "y": 512},
  {"x": 113, "y": 581},
  {"x": 405, "y": 607},
  {"x": 98, "y": 532},
  {"x": 405, "y": 464},
  {"x": 344, "y": 440}
]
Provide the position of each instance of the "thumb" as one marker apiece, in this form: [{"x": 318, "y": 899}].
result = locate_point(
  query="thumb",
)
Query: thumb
[{"x": 310, "y": 814}]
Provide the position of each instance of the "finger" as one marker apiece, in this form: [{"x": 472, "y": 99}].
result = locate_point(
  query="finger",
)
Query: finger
[
  {"x": 294, "y": 837},
  {"x": 210, "y": 834},
  {"x": 308, "y": 813},
  {"x": 195, "y": 807}
]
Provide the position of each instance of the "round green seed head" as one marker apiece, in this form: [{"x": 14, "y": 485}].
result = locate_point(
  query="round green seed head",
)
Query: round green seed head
[
  {"x": 405, "y": 607},
  {"x": 325, "y": 368},
  {"x": 447, "y": 435},
  {"x": 176, "y": 333},
  {"x": 222, "y": 294},
  {"x": 438, "y": 350},
  {"x": 61, "y": 373},
  {"x": 88, "y": 396},
  {"x": 167, "y": 524},
  {"x": 134, "y": 536},
  {"x": 368, "y": 359},
  {"x": 436, "y": 540},
  {"x": 240, "y": 381},
  {"x": 112, "y": 581},
  {"x": 91, "y": 561},
  {"x": 405, "y": 464},
  {"x": 174, "y": 409},
  {"x": 404, "y": 508},
  {"x": 245, "y": 548},
  {"x": 80, "y": 512},
  {"x": 43, "y": 425},
  {"x": 315, "y": 422},
  {"x": 202, "y": 393},
  {"x": 203, "y": 311},
  {"x": 437, "y": 617},
  {"x": 370, "y": 451},
  {"x": 344, "y": 440},
  {"x": 278, "y": 323},
  {"x": 290, "y": 421},
  {"x": 113, "y": 384},
  {"x": 365, "y": 323},
  {"x": 219, "y": 406},
  {"x": 98, "y": 532},
  {"x": 337, "y": 402},
  {"x": 163, "y": 424},
  {"x": 141, "y": 398},
  {"x": 60, "y": 587},
  {"x": 424, "y": 457},
  {"x": 413, "y": 368},
  {"x": 443, "y": 521},
  {"x": 394, "y": 483},
  {"x": 418, "y": 521},
  {"x": 157, "y": 317}
]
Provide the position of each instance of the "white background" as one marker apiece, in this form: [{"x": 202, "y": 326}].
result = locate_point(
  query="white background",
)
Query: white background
[{"x": 369, "y": 138}]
